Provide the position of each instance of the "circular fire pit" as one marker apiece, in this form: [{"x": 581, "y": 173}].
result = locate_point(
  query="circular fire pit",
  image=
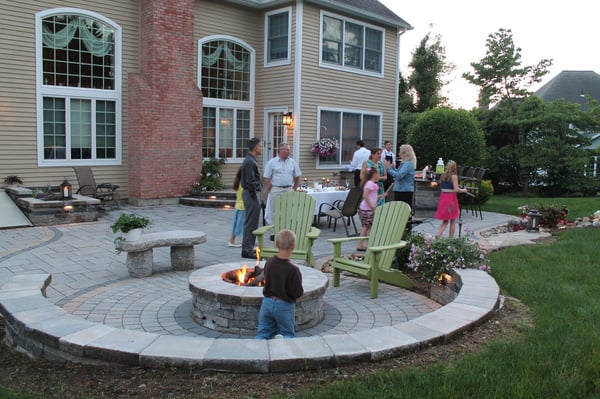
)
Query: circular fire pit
[{"x": 227, "y": 307}]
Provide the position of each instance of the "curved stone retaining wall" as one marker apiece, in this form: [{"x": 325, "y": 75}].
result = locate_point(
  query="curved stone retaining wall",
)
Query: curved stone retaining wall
[{"x": 42, "y": 329}]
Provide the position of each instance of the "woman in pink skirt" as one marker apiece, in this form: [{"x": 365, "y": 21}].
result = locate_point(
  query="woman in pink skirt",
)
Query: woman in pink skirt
[{"x": 448, "y": 209}]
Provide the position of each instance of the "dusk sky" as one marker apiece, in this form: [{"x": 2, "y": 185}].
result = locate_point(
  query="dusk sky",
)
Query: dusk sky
[{"x": 564, "y": 32}]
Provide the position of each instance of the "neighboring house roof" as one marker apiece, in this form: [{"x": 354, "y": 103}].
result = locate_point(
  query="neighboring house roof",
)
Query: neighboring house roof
[
  {"x": 370, "y": 9},
  {"x": 573, "y": 86}
]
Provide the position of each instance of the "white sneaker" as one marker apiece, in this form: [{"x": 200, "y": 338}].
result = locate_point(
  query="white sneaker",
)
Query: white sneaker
[
  {"x": 233, "y": 245},
  {"x": 278, "y": 336}
]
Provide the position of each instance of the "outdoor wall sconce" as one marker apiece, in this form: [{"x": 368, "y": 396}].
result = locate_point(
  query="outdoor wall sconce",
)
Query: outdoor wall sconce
[
  {"x": 534, "y": 221},
  {"x": 66, "y": 189},
  {"x": 287, "y": 119}
]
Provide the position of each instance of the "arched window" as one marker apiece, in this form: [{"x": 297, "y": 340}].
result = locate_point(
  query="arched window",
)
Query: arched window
[
  {"x": 226, "y": 79},
  {"x": 78, "y": 87}
]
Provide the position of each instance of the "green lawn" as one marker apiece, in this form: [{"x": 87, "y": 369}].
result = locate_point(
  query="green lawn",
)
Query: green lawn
[{"x": 558, "y": 357}]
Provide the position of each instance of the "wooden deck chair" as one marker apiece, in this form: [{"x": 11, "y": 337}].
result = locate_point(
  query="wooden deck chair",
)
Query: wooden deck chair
[
  {"x": 105, "y": 192},
  {"x": 384, "y": 239},
  {"x": 293, "y": 211}
]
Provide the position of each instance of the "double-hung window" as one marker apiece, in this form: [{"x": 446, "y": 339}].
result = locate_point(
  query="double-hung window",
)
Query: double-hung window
[
  {"x": 226, "y": 79},
  {"x": 278, "y": 37},
  {"x": 348, "y": 126},
  {"x": 78, "y": 88},
  {"x": 351, "y": 45}
]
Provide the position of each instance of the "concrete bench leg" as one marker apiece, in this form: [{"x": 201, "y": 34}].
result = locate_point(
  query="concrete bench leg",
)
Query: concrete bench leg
[
  {"x": 139, "y": 264},
  {"x": 182, "y": 258}
]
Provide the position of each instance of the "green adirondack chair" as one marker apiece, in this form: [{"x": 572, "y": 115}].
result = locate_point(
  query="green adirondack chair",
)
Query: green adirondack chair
[
  {"x": 384, "y": 239},
  {"x": 293, "y": 211}
]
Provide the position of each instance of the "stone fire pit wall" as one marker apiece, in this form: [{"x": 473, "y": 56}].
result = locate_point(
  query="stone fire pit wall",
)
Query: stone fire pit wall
[{"x": 229, "y": 308}]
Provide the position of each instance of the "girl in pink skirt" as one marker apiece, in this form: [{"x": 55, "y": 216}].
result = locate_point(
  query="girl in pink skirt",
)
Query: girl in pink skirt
[{"x": 448, "y": 209}]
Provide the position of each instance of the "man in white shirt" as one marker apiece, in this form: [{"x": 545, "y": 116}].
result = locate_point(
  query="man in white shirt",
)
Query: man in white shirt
[
  {"x": 282, "y": 174},
  {"x": 360, "y": 156}
]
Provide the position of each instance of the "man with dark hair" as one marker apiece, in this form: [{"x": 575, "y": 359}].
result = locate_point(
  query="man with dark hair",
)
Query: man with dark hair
[
  {"x": 360, "y": 156},
  {"x": 251, "y": 184}
]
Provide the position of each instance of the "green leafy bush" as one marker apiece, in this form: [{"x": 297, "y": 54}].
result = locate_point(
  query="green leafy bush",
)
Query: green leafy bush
[
  {"x": 551, "y": 215},
  {"x": 210, "y": 178},
  {"x": 440, "y": 255}
]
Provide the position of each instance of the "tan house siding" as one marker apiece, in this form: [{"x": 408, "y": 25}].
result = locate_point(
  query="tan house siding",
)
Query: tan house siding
[
  {"x": 324, "y": 87},
  {"x": 18, "y": 96},
  {"x": 273, "y": 85}
]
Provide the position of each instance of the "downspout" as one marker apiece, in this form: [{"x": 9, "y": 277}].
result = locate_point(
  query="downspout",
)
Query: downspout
[
  {"x": 298, "y": 79},
  {"x": 395, "y": 130}
]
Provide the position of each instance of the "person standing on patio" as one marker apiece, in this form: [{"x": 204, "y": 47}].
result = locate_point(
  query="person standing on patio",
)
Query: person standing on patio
[
  {"x": 387, "y": 155},
  {"x": 404, "y": 175},
  {"x": 251, "y": 185},
  {"x": 448, "y": 208},
  {"x": 375, "y": 162},
  {"x": 358, "y": 158},
  {"x": 283, "y": 286},
  {"x": 282, "y": 175},
  {"x": 239, "y": 214}
]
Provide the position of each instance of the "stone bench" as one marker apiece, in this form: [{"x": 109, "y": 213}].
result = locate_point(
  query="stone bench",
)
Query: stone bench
[{"x": 139, "y": 252}]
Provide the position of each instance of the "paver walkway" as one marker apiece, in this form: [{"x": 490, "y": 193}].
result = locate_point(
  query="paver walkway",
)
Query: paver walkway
[{"x": 90, "y": 280}]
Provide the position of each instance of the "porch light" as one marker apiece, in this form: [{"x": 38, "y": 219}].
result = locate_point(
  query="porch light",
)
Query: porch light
[
  {"x": 66, "y": 189},
  {"x": 534, "y": 221},
  {"x": 287, "y": 119}
]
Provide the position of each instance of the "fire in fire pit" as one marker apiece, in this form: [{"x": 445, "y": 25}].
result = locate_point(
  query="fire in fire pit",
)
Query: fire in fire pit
[{"x": 243, "y": 277}]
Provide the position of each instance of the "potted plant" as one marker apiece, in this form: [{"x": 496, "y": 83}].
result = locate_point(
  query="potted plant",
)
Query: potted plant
[
  {"x": 131, "y": 225},
  {"x": 12, "y": 180}
]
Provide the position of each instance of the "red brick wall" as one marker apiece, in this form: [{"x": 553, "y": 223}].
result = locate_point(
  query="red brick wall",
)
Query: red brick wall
[{"x": 165, "y": 105}]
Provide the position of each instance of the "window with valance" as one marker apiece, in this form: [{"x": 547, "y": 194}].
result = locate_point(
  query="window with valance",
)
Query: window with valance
[{"x": 79, "y": 88}]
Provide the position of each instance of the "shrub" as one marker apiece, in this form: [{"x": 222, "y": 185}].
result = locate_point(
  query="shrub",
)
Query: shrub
[
  {"x": 437, "y": 256},
  {"x": 210, "y": 177}
]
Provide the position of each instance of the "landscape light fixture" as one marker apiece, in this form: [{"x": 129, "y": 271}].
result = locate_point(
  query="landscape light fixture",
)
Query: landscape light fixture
[
  {"x": 287, "y": 119},
  {"x": 534, "y": 221},
  {"x": 66, "y": 189}
]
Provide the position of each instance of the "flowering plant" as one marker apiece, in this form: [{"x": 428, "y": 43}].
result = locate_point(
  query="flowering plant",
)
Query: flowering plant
[
  {"x": 210, "y": 177},
  {"x": 434, "y": 257},
  {"x": 325, "y": 147}
]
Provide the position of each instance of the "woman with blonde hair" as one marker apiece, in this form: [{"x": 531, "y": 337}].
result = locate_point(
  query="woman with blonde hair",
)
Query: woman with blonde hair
[
  {"x": 404, "y": 175},
  {"x": 448, "y": 209}
]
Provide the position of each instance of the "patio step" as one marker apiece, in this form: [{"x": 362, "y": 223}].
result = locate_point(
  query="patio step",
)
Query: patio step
[{"x": 211, "y": 199}]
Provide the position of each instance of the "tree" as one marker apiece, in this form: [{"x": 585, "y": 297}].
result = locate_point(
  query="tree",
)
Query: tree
[
  {"x": 449, "y": 134},
  {"x": 500, "y": 75},
  {"x": 428, "y": 67},
  {"x": 505, "y": 82}
]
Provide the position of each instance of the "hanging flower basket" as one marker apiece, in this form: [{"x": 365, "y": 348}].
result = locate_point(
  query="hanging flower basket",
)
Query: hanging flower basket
[{"x": 325, "y": 147}]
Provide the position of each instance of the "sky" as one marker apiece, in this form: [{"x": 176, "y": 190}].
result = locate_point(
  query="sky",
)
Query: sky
[{"x": 566, "y": 32}]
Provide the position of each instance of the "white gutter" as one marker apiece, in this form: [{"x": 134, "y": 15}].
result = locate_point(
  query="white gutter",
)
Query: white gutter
[{"x": 298, "y": 78}]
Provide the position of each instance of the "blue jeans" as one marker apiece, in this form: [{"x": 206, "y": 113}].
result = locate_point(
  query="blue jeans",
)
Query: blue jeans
[{"x": 276, "y": 317}]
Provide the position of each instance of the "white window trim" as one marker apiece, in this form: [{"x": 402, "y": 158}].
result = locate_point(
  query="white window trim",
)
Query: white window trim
[
  {"x": 351, "y": 111},
  {"x": 288, "y": 60},
  {"x": 342, "y": 67},
  {"x": 74, "y": 92},
  {"x": 226, "y": 103}
]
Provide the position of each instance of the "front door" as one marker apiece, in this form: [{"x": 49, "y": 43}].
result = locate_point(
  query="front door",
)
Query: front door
[{"x": 275, "y": 134}]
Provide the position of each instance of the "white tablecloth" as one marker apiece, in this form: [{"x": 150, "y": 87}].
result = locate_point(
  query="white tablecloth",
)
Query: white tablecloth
[{"x": 327, "y": 195}]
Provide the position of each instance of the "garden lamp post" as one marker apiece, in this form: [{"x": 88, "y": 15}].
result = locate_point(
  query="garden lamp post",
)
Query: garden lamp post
[{"x": 534, "y": 221}]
